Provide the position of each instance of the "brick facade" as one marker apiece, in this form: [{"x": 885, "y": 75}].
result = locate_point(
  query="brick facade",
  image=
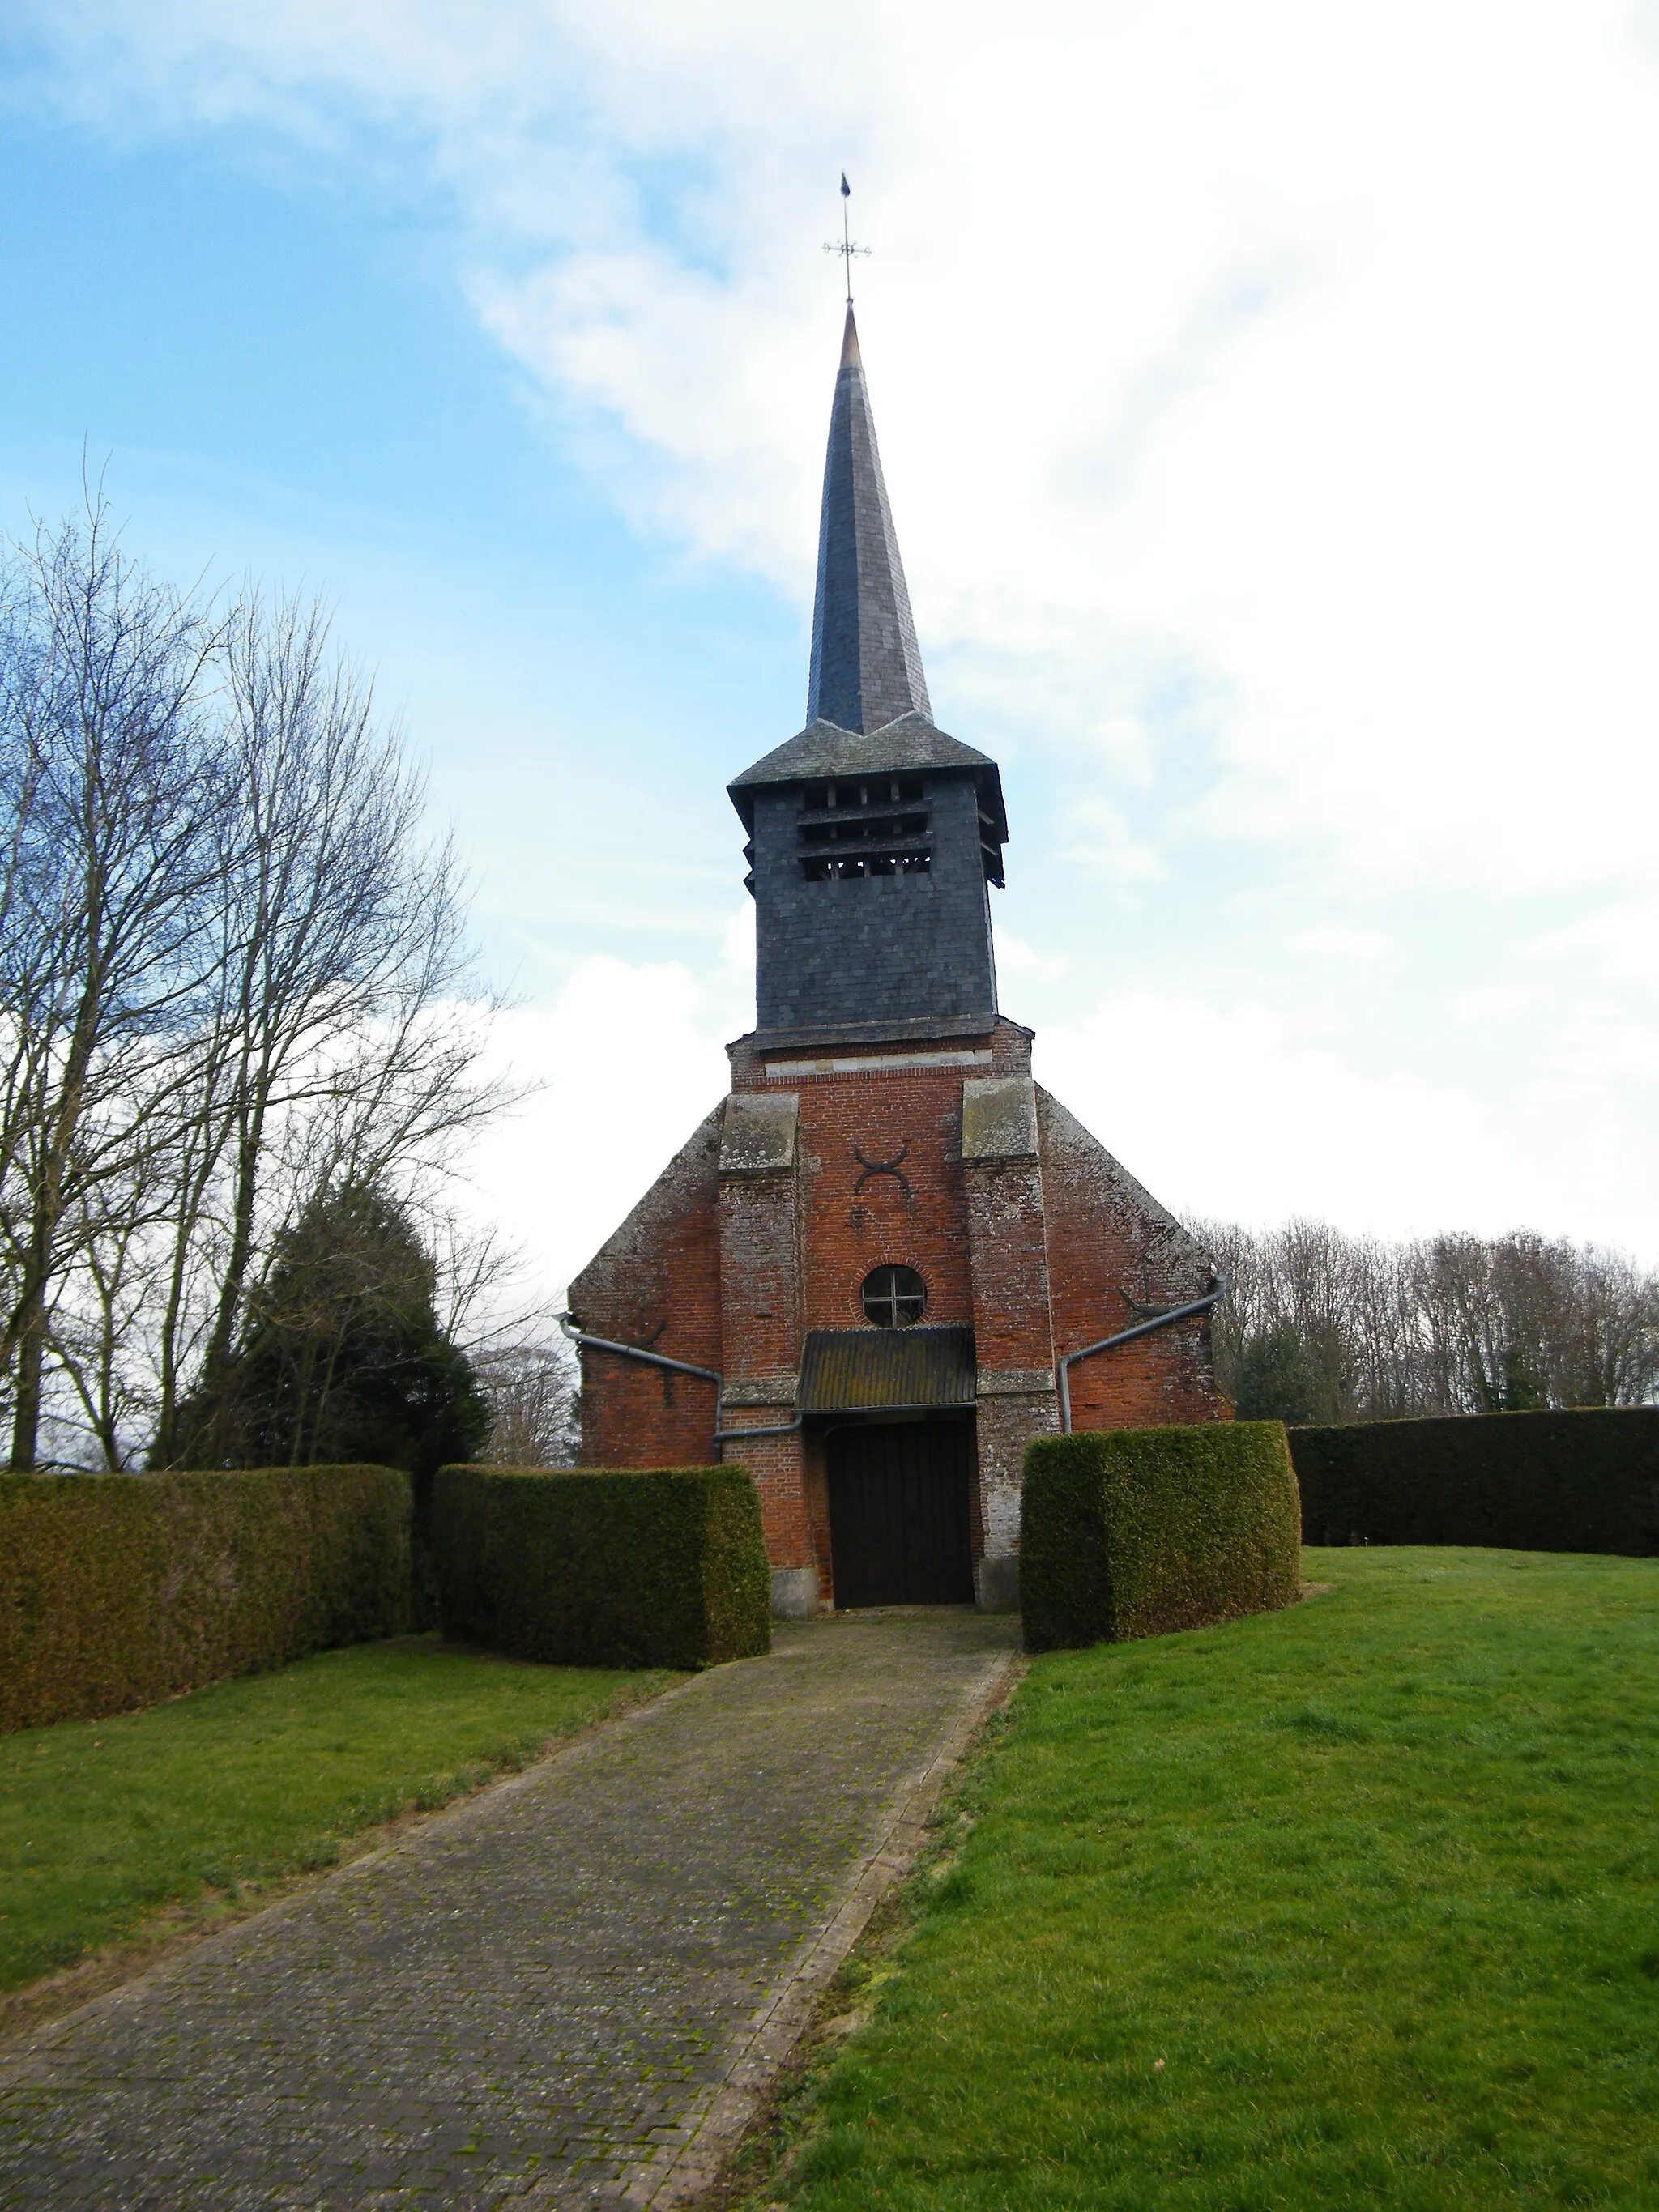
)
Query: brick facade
[{"x": 737, "y": 1251}]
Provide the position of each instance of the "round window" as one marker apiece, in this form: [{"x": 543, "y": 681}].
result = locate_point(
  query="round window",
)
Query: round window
[{"x": 894, "y": 1296}]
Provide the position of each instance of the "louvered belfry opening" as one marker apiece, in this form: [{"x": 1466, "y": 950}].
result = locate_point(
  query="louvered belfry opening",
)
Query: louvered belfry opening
[{"x": 871, "y": 825}]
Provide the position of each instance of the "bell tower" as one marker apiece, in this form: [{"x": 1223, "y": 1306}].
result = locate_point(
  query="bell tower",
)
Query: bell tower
[{"x": 873, "y": 836}]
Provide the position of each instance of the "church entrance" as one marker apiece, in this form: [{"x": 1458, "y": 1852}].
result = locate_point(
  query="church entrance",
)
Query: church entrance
[{"x": 899, "y": 1513}]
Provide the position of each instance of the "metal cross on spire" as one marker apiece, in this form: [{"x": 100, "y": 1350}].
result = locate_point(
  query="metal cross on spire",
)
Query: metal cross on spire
[{"x": 848, "y": 246}]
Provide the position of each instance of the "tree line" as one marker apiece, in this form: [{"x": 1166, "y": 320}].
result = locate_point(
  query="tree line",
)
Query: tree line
[
  {"x": 241, "y": 1037},
  {"x": 1318, "y": 1326}
]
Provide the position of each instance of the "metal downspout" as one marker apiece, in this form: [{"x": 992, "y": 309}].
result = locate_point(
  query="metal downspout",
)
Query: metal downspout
[
  {"x": 783, "y": 1429},
  {"x": 570, "y": 1329},
  {"x": 1062, "y": 1367}
]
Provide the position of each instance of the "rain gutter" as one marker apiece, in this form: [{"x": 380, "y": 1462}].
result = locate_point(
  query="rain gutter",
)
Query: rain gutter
[
  {"x": 1062, "y": 1367},
  {"x": 576, "y": 1335}
]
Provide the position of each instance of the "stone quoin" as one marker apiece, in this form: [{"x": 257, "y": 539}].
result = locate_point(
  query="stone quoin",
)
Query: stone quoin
[{"x": 864, "y": 1274}]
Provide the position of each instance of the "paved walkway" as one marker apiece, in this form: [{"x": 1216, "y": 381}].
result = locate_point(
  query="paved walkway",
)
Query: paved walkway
[{"x": 538, "y": 1992}]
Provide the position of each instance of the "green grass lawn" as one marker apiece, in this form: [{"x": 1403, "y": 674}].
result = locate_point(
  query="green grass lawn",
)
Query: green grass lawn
[
  {"x": 103, "y": 1823},
  {"x": 1356, "y": 1905}
]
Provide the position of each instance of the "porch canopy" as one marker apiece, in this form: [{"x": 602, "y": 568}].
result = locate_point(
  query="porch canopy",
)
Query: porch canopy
[{"x": 887, "y": 1370}]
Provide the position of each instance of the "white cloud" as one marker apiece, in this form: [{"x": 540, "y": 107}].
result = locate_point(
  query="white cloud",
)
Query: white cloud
[
  {"x": 1097, "y": 837},
  {"x": 738, "y": 957},
  {"x": 1331, "y": 942},
  {"x": 1498, "y": 1002},
  {"x": 1020, "y": 961},
  {"x": 1223, "y": 1112},
  {"x": 1267, "y": 401},
  {"x": 1618, "y": 939},
  {"x": 1311, "y": 348},
  {"x": 627, "y": 1061}
]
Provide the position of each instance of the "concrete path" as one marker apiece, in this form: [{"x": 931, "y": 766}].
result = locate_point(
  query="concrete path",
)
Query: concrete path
[{"x": 546, "y": 1997}]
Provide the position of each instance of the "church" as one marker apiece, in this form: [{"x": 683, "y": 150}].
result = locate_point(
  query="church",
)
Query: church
[{"x": 887, "y": 1259}]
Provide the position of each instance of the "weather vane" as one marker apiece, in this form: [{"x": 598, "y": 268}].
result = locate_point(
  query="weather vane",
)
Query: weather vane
[{"x": 848, "y": 246}]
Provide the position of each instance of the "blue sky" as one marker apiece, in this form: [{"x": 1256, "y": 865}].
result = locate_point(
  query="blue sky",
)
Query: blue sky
[
  {"x": 284, "y": 380},
  {"x": 1269, "y": 422}
]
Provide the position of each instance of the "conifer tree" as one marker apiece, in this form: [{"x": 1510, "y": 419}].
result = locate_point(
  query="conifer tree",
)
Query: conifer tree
[{"x": 345, "y": 1359}]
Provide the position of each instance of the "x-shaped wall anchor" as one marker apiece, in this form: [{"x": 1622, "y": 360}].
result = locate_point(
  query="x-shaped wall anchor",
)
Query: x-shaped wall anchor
[{"x": 883, "y": 1167}]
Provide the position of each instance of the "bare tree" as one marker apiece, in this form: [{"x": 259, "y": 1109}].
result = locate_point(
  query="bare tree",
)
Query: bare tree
[
  {"x": 1453, "y": 1324},
  {"x": 346, "y": 1039},
  {"x": 233, "y": 978},
  {"x": 531, "y": 1389},
  {"x": 103, "y": 1315},
  {"x": 110, "y": 792}
]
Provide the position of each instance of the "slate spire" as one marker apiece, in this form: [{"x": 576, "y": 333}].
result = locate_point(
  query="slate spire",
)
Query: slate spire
[{"x": 866, "y": 670}]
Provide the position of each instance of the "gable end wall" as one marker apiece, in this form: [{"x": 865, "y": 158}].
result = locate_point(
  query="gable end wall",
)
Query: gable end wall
[
  {"x": 656, "y": 1282},
  {"x": 1110, "y": 1241}
]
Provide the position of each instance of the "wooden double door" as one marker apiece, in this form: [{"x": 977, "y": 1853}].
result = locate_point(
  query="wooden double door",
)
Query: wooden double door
[{"x": 899, "y": 1513}]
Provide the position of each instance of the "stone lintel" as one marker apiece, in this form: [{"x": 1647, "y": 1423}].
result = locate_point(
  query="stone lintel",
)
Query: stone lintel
[
  {"x": 889, "y": 1063},
  {"x": 757, "y": 1136},
  {"x": 776, "y": 1393},
  {"x": 1015, "y": 1383},
  {"x": 998, "y": 1118}
]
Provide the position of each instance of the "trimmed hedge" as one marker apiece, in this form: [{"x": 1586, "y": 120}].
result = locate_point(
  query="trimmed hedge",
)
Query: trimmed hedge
[
  {"x": 1579, "y": 1481},
  {"x": 1136, "y": 1532},
  {"x": 120, "y": 1589},
  {"x": 666, "y": 1568}
]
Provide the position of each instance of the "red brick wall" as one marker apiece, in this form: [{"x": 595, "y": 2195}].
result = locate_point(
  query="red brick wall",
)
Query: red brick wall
[
  {"x": 656, "y": 1282},
  {"x": 1161, "y": 1380},
  {"x": 851, "y": 1220},
  {"x": 760, "y": 1279},
  {"x": 1107, "y": 1237},
  {"x": 729, "y": 1271},
  {"x": 1006, "y": 1234},
  {"x": 775, "y": 1464},
  {"x": 854, "y": 1221}
]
